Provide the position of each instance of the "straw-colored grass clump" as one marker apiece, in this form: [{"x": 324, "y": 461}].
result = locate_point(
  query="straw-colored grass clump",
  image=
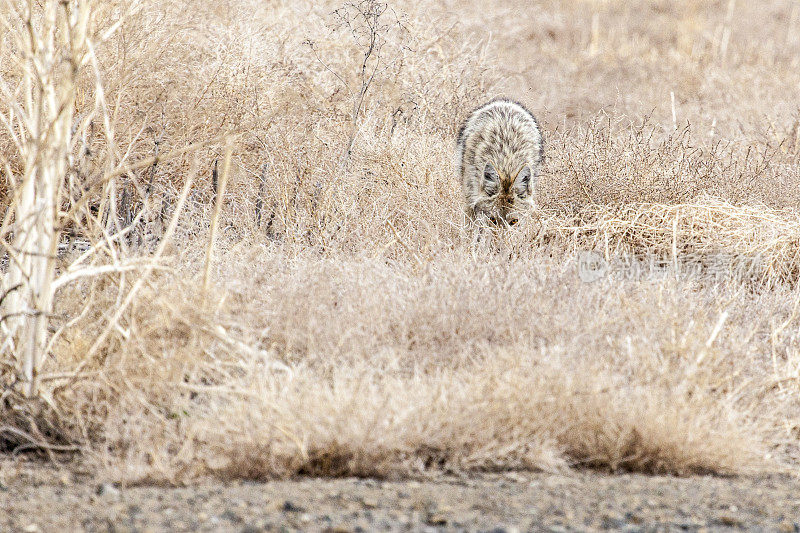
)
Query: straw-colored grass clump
[{"x": 759, "y": 243}]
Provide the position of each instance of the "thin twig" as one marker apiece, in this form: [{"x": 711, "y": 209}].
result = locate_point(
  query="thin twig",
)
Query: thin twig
[{"x": 220, "y": 198}]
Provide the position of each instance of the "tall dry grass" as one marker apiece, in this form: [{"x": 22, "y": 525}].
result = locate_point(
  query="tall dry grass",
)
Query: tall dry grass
[{"x": 355, "y": 323}]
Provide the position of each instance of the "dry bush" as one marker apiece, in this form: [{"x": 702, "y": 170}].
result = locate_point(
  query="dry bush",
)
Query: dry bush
[
  {"x": 618, "y": 162},
  {"x": 759, "y": 242},
  {"x": 377, "y": 386},
  {"x": 357, "y": 324}
]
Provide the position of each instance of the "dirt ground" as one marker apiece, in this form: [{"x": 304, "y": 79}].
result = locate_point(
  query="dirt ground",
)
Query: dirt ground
[{"x": 36, "y": 497}]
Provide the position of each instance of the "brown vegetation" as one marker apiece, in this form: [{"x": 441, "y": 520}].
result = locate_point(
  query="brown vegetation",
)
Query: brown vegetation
[{"x": 354, "y": 324}]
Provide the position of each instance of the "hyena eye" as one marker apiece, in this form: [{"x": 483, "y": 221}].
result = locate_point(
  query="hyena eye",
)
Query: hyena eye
[{"x": 491, "y": 179}]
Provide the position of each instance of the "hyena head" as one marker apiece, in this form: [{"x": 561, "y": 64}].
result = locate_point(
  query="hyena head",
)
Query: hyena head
[
  {"x": 505, "y": 193},
  {"x": 499, "y": 151}
]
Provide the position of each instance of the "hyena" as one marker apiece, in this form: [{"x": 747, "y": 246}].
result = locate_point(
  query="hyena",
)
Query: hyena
[{"x": 499, "y": 152}]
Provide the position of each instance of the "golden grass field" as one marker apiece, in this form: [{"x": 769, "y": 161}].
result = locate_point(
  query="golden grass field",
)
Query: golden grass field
[{"x": 354, "y": 323}]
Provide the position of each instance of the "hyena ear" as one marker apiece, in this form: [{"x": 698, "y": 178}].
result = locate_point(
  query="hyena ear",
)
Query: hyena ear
[
  {"x": 522, "y": 184},
  {"x": 491, "y": 179}
]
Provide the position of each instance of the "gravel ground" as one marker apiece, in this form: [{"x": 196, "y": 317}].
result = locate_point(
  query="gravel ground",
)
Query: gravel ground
[{"x": 40, "y": 498}]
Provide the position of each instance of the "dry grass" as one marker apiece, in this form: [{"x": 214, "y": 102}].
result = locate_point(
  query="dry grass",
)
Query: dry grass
[{"x": 357, "y": 325}]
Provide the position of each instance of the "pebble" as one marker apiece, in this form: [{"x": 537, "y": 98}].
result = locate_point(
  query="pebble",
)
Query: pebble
[
  {"x": 230, "y": 516},
  {"x": 369, "y": 503},
  {"x": 108, "y": 490},
  {"x": 730, "y": 521},
  {"x": 437, "y": 519},
  {"x": 516, "y": 477},
  {"x": 291, "y": 507}
]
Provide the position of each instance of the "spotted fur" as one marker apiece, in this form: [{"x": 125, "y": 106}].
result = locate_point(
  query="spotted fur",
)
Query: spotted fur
[{"x": 499, "y": 152}]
